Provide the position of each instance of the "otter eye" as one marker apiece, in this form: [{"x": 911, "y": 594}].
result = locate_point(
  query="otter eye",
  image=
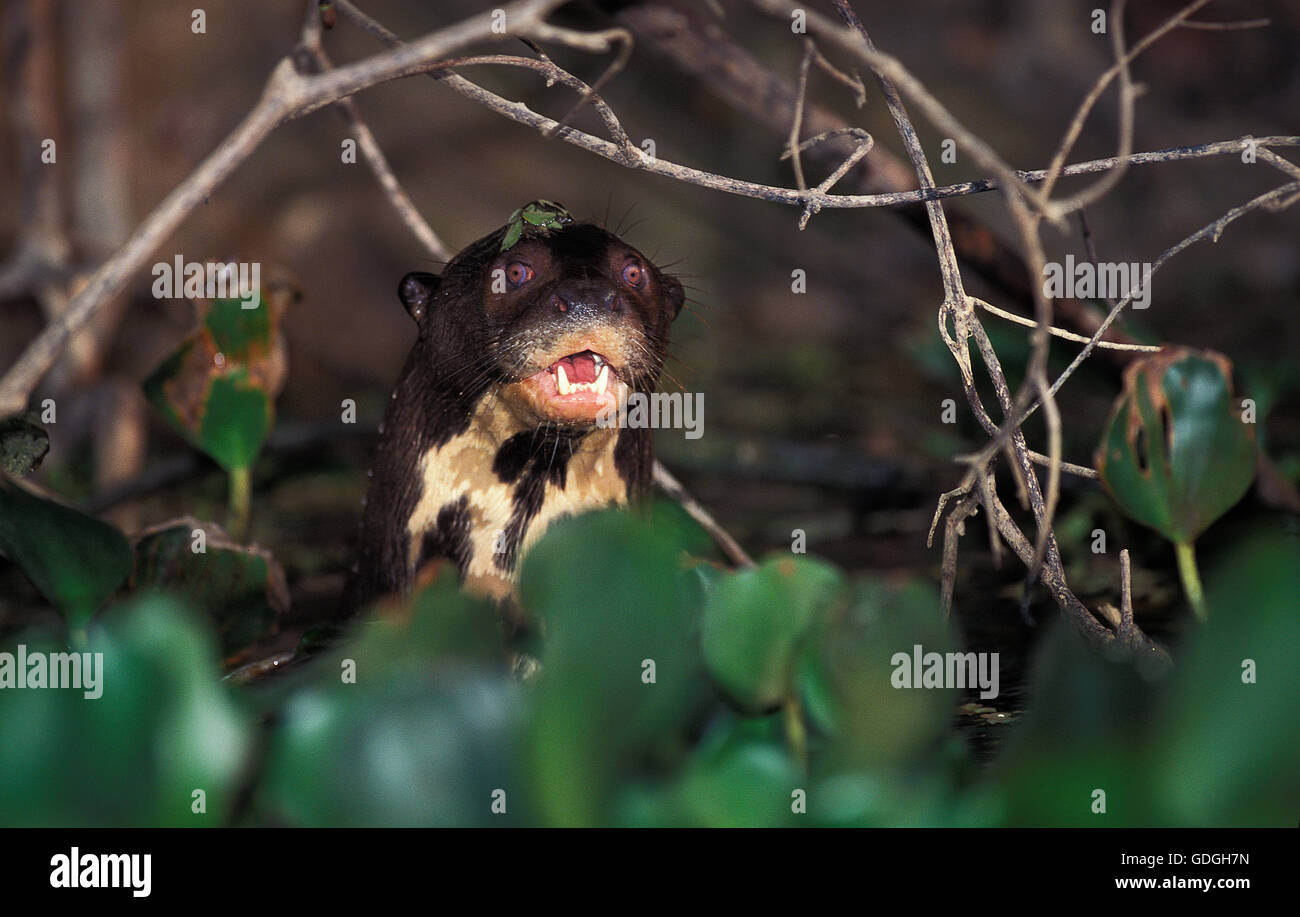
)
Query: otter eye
[
  {"x": 518, "y": 273},
  {"x": 633, "y": 275}
]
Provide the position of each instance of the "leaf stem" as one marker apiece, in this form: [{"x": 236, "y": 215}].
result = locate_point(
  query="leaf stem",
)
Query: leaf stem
[
  {"x": 1191, "y": 578},
  {"x": 795, "y": 731},
  {"x": 241, "y": 489}
]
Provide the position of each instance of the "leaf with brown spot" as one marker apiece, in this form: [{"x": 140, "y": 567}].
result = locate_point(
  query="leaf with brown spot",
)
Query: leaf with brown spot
[
  {"x": 241, "y": 587},
  {"x": 1176, "y": 454},
  {"x": 218, "y": 388}
]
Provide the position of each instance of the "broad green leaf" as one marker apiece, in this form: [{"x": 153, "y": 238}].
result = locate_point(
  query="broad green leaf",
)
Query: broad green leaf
[
  {"x": 1229, "y": 753},
  {"x": 621, "y": 677},
  {"x": 236, "y": 421},
  {"x": 1083, "y": 743},
  {"x": 242, "y": 588},
  {"x": 1176, "y": 454},
  {"x": 741, "y": 776},
  {"x": 413, "y": 721},
  {"x": 926, "y": 795},
  {"x": 400, "y": 748},
  {"x": 133, "y": 749},
  {"x": 861, "y": 686},
  {"x": 218, "y": 389},
  {"x": 75, "y": 560},
  {"x": 1216, "y": 743},
  {"x": 756, "y": 621},
  {"x": 241, "y": 335}
]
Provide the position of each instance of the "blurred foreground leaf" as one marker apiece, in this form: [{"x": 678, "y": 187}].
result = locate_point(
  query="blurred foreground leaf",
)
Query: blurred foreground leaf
[
  {"x": 1231, "y": 748},
  {"x": 411, "y": 723},
  {"x": 160, "y": 729},
  {"x": 863, "y": 677},
  {"x": 621, "y": 676},
  {"x": 741, "y": 776},
  {"x": 756, "y": 622},
  {"x": 1216, "y": 743}
]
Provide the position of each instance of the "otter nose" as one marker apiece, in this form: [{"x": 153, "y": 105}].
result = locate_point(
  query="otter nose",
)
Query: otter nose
[{"x": 585, "y": 300}]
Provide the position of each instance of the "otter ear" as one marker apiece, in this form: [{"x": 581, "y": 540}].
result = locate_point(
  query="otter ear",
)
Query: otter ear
[
  {"x": 676, "y": 295},
  {"x": 416, "y": 291}
]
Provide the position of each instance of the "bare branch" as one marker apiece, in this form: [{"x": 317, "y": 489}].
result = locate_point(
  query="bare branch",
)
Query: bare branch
[
  {"x": 672, "y": 487},
  {"x": 1062, "y": 333},
  {"x": 370, "y": 148},
  {"x": 1226, "y": 26},
  {"x": 287, "y": 96}
]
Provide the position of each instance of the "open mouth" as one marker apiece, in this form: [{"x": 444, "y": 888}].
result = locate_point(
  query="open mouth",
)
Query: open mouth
[
  {"x": 581, "y": 372},
  {"x": 576, "y": 387}
]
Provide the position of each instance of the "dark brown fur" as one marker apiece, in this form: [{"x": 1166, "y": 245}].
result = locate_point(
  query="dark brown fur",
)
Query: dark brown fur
[{"x": 459, "y": 395}]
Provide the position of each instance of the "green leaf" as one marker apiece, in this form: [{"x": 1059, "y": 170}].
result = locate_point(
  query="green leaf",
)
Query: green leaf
[
  {"x": 1086, "y": 734},
  {"x": 236, "y": 421},
  {"x": 537, "y": 218},
  {"x": 740, "y": 776},
  {"x": 919, "y": 796},
  {"x": 228, "y": 419},
  {"x": 23, "y": 445},
  {"x": 620, "y": 671},
  {"x": 1229, "y": 753},
  {"x": 133, "y": 749},
  {"x": 239, "y": 334},
  {"x": 756, "y": 621},
  {"x": 873, "y": 715},
  {"x": 218, "y": 389},
  {"x": 1176, "y": 454},
  {"x": 513, "y": 234},
  {"x": 412, "y": 722},
  {"x": 241, "y": 587},
  {"x": 75, "y": 560},
  {"x": 1216, "y": 743},
  {"x": 400, "y": 748}
]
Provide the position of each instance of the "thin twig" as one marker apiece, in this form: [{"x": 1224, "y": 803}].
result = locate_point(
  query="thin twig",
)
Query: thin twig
[
  {"x": 1277, "y": 199},
  {"x": 796, "y": 123},
  {"x": 1061, "y": 332},
  {"x": 1119, "y": 68},
  {"x": 372, "y": 152},
  {"x": 674, "y": 489},
  {"x": 288, "y": 95},
  {"x": 1226, "y": 26}
]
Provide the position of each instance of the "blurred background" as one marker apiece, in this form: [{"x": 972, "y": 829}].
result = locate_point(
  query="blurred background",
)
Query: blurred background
[{"x": 822, "y": 409}]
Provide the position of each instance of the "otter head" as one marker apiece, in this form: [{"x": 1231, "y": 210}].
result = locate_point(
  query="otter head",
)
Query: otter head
[{"x": 561, "y": 324}]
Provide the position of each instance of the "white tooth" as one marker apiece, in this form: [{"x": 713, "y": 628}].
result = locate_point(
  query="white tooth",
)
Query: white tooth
[
  {"x": 597, "y": 359},
  {"x": 562, "y": 380},
  {"x": 602, "y": 380}
]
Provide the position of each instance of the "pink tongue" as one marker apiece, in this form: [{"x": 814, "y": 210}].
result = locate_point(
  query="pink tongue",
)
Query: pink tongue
[{"x": 580, "y": 368}]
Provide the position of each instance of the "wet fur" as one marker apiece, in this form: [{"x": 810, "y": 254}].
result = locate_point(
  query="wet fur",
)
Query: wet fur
[{"x": 460, "y": 471}]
